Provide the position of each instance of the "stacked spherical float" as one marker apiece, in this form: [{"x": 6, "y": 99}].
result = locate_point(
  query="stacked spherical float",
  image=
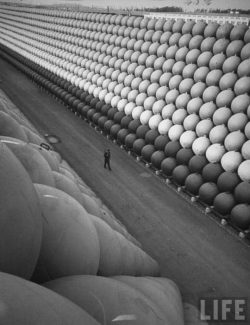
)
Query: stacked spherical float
[{"x": 186, "y": 82}]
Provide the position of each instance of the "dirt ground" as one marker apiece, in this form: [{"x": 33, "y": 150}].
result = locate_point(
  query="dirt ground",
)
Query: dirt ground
[{"x": 202, "y": 257}]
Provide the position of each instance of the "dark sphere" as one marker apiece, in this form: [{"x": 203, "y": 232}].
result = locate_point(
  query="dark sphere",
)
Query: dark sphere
[
  {"x": 157, "y": 158},
  {"x": 118, "y": 117},
  {"x": 79, "y": 107},
  {"x": 93, "y": 102},
  {"x": 99, "y": 105},
  {"x": 208, "y": 192},
  {"x": 180, "y": 173},
  {"x": 78, "y": 93},
  {"x": 183, "y": 156},
  {"x": 83, "y": 96},
  {"x": 150, "y": 136},
  {"x": 110, "y": 113},
  {"x": 115, "y": 129},
  {"x": 71, "y": 100},
  {"x": 108, "y": 124},
  {"x": 197, "y": 163},
  {"x": 121, "y": 135},
  {"x": 172, "y": 148},
  {"x": 88, "y": 99},
  {"x": 147, "y": 152},
  {"x": 96, "y": 117},
  {"x": 138, "y": 145},
  {"x": 101, "y": 121},
  {"x": 106, "y": 109},
  {"x": 240, "y": 216},
  {"x": 211, "y": 172},
  {"x": 168, "y": 165},
  {"x": 84, "y": 110},
  {"x": 161, "y": 141},
  {"x": 193, "y": 183},
  {"x": 125, "y": 121},
  {"x": 142, "y": 130},
  {"x": 223, "y": 203},
  {"x": 90, "y": 114},
  {"x": 133, "y": 125},
  {"x": 227, "y": 181},
  {"x": 129, "y": 140},
  {"x": 242, "y": 192}
]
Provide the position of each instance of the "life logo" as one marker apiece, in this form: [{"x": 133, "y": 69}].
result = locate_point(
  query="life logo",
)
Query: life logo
[{"x": 223, "y": 310}]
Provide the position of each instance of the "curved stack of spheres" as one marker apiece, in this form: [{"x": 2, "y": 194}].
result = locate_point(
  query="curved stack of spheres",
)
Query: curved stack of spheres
[
  {"x": 64, "y": 257},
  {"x": 167, "y": 90}
]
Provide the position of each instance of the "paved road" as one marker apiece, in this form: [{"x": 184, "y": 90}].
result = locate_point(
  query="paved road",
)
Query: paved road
[{"x": 203, "y": 258}]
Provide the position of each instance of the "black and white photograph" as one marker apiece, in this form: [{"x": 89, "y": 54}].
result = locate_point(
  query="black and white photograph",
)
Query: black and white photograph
[{"x": 124, "y": 162}]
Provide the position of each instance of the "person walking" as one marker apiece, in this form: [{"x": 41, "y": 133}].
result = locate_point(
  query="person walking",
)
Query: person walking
[{"x": 107, "y": 158}]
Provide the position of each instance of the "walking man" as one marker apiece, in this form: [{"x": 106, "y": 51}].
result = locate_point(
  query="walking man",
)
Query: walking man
[{"x": 107, "y": 158}]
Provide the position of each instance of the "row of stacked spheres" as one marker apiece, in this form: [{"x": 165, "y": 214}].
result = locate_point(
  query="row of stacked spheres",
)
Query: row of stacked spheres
[{"x": 175, "y": 92}]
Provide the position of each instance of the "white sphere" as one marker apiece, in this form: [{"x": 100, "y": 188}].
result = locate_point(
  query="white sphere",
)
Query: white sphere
[
  {"x": 128, "y": 109},
  {"x": 247, "y": 130},
  {"x": 242, "y": 86},
  {"x": 125, "y": 91},
  {"x": 200, "y": 145},
  {"x": 244, "y": 170},
  {"x": 150, "y": 60},
  {"x": 175, "y": 132},
  {"x": 245, "y": 150},
  {"x": 168, "y": 111},
  {"x": 145, "y": 116},
  {"x": 218, "y": 134},
  {"x": 237, "y": 122},
  {"x": 210, "y": 94},
  {"x": 149, "y": 102},
  {"x": 221, "y": 115},
  {"x": 164, "y": 126},
  {"x": 240, "y": 103},
  {"x": 182, "y": 100},
  {"x": 154, "y": 121},
  {"x": 175, "y": 81},
  {"x": 161, "y": 92},
  {"x": 144, "y": 86},
  {"x": 115, "y": 100},
  {"x": 156, "y": 75},
  {"x": 171, "y": 96},
  {"x": 102, "y": 94},
  {"x": 136, "y": 82},
  {"x": 152, "y": 89},
  {"x": 146, "y": 74},
  {"x": 207, "y": 110},
  {"x": 234, "y": 141},
  {"x": 215, "y": 152},
  {"x": 204, "y": 127},
  {"x": 186, "y": 85},
  {"x": 137, "y": 111},
  {"x": 164, "y": 79},
  {"x": 179, "y": 115},
  {"x": 187, "y": 138},
  {"x": 231, "y": 161},
  {"x": 128, "y": 80},
  {"x": 108, "y": 97},
  {"x": 97, "y": 91},
  {"x": 132, "y": 95},
  {"x": 140, "y": 99},
  {"x": 194, "y": 105},
  {"x": 121, "y": 104},
  {"x": 191, "y": 121},
  {"x": 158, "y": 106}
]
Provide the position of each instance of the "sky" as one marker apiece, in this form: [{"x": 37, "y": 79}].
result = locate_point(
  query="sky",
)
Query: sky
[{"x": 225, "y": 4}]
